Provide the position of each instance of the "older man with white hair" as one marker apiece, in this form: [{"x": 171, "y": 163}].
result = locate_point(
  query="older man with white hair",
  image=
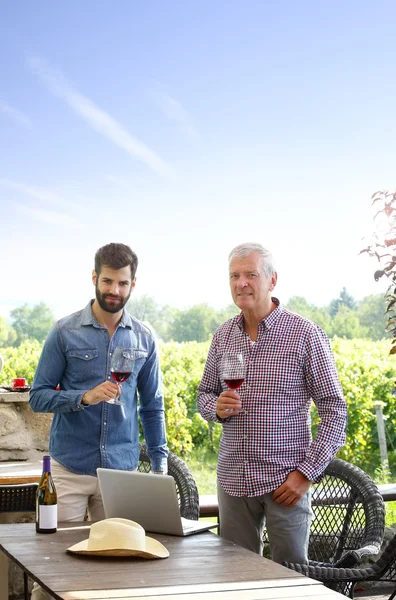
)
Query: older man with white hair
[{"x": 267, "y": 459}]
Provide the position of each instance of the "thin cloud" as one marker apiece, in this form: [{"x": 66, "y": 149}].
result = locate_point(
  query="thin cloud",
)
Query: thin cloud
[
  {"x": 16, "y": 115},
  {"x": 174, "y": 111},
  {"x": 97, "y": 118},
  {"x": 50, "y": 217},
  {"x": 38, "y": 193}
]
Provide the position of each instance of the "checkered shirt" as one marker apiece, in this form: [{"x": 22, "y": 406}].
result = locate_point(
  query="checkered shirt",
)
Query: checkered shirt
[{"x": 290, "y": 363}]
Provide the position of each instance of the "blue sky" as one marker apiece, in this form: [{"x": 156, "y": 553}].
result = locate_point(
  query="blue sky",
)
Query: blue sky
[{"x": 184, "y": 128}]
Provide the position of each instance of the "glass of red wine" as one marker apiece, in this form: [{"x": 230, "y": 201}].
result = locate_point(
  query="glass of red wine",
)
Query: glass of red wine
[
  {"x": 121, "y": 367},
  {"x": 233, "y": 369}
]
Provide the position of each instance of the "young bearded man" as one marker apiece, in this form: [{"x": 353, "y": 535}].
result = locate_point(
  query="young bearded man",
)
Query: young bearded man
[{"x": 87, "y": 432}]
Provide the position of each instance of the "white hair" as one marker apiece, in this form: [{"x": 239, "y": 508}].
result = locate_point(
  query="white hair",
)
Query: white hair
[{"x": 243, "y": 250}]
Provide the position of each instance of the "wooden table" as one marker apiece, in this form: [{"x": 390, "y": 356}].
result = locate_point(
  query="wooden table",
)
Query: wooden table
[
  {"x": 17, "y": 472},
  {"x": 200, "y": 567}
]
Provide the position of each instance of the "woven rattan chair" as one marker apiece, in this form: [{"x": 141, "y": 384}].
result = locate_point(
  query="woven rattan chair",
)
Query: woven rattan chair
[
  {"x": 347, "y": 527},
  {"x": 384, "y": 569},
  {"x": 187, "y": 491},
  {"x": 19, "y": 498}
]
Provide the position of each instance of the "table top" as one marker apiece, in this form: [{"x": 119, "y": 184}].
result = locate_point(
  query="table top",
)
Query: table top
[
  {"x": 199, "y": 567},
  {"x": 18, "y": 472}
]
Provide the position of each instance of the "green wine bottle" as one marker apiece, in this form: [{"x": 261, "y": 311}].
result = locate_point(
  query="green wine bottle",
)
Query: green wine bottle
[{"x": 46, "y": 501}]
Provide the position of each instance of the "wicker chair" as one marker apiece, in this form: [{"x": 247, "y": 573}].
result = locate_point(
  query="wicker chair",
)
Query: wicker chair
[
  {"x": 19, "y": 498},
  {"x": 384, "y": 569},
  {"x": 348, "y": 526},
  {"x": 187, "y": 491}
]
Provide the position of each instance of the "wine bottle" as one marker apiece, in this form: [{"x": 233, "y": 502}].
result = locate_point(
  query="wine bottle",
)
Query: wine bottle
[{"x": 46, "y": 501}]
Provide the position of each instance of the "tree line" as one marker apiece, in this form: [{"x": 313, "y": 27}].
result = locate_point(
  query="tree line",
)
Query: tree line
[{"x": 343, "y": 317}]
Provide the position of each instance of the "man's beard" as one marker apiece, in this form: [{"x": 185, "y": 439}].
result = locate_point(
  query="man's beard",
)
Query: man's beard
[{"x": 111, "y": 308}]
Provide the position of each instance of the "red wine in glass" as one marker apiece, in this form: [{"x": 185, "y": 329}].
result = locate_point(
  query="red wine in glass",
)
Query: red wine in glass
[
  {"x": 234, "y": 384},
  {"x": 120, "y": 376},
  {"x": 233, "y": 369},
  {"x": 121, "y": 367}
]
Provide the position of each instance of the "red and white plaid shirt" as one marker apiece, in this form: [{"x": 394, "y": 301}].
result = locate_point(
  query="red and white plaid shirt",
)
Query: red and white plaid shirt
[{"x": 290, "y": 363}]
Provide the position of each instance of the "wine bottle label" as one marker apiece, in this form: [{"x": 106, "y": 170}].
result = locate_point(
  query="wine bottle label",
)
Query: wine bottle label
[{"x": 48, "y": 516}]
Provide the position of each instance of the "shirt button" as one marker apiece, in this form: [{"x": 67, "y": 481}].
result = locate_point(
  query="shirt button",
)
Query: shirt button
[
  {"x": 86, "y": 356},
  {"x": 105, "y": 423},
  {"x": 109, "y": 377},
  {"x": 102, "y": 447}
]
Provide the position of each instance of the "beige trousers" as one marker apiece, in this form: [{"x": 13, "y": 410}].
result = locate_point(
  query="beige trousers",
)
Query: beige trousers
[{"x": 78, "y": 495}]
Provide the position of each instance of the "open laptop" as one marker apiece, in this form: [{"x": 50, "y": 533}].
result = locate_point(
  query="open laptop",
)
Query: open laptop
[{"x": 148, "y": 499}]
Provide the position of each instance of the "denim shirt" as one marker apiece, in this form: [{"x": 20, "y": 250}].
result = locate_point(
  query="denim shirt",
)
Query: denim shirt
[{"x": 77, "y": 356}]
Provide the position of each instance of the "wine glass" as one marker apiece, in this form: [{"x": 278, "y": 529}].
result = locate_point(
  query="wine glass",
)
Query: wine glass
[
  {"x": 121, "y": 367},
  {"x": 233, "y": 369}
]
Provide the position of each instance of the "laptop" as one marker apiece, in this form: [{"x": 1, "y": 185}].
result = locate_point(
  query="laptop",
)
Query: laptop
[{"x": 147, "y": 498}]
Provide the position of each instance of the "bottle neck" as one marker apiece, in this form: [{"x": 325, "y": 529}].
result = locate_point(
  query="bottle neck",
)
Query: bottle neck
[{"x": 46, "y": 464}]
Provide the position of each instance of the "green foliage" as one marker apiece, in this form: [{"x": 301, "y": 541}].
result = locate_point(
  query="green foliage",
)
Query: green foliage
[
  {"x": 366, "y": 372},
  {"x": 364, "y": 320},
  {"x": 203, "y": 465},
  {"x": 382, "y": 473},
  {"x": 158, "y": 317},
  {"x": 371, "y": 313},
  {"x": 383, "y": 248},
  {"x": 346, "y": 324},
  {"x": 32, "y": 323},
  {"x": 344, "y": 318},
  {"x": 20, "y": 362},
  {"x": 321, "y": 316},
  {"x": 7, "y": 334},
  {"x": 194, "y": 324},
  {"x": 390, "y": 514},
  {"x": 198, "y": 323},
  {"x": 345, "y": 300},
  {"x": 182, "y": 366}
]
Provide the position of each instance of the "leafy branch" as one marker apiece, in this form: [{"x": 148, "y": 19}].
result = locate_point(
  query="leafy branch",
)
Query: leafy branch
[{"x": 385, "y": 238}]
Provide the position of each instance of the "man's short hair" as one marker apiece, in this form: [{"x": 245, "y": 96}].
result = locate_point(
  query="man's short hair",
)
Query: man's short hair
[
  {"x": 243, "y": 250},
  {"x": 116, "y": 256}
]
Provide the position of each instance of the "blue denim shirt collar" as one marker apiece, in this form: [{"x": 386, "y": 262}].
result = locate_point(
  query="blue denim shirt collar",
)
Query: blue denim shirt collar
[{"x": 87, "y": 317}]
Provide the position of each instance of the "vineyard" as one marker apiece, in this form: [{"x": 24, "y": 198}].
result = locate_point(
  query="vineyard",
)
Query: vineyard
[{"x": 366, "y": 371}]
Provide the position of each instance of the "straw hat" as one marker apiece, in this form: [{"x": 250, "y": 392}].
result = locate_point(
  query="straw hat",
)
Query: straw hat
[{"x": 119, "y": 537}]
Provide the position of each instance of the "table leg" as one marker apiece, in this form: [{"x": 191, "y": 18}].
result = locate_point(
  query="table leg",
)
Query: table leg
[{"x": 3, "y": 576}]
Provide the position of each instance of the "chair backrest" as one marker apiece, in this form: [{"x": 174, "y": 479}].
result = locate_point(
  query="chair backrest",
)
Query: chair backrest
[
  {"x": 349, "y": 513},
  {"x": 18, "y": 498},
  {"x": 186, "y": 488}
]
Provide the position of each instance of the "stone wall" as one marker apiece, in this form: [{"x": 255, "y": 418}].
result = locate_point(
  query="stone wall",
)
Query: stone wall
[{"x": 24, "y": 434}]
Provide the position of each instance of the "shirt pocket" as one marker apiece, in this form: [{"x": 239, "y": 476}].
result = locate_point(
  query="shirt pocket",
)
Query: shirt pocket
[{"x": 82, "y": 363}]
